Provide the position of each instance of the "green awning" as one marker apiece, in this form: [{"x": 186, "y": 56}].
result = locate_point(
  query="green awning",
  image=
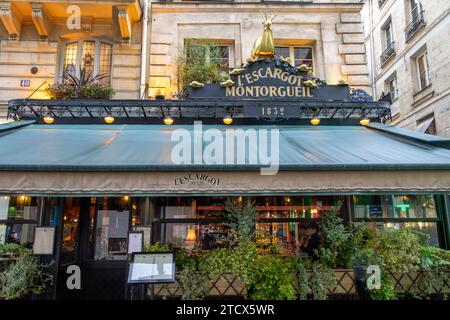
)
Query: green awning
[{"x": 37, "y": 147}]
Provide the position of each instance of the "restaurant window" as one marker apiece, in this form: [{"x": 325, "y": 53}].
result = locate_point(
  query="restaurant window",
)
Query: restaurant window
[
  {"x": 288, "y": 221},
  {"x": 191, "y": 222},
  {"x": 198, "y": 222},
  {"x": 422, "y": 71},
  {"x": 92, "y": 55},
  {"x": 210, "y": 53},
  {"x": 298, "y": 55},
  {"x": 416, "y": 212},
  {"x": 18, "y": 218}
]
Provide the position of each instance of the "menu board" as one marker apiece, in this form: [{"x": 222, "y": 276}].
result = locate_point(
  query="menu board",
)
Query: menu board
[
  {"x": 44, "y": 238},
  {"x": 147, "y": 233},
  {"x": 135, "y": 242},
  {"x": 152, "y": 267}
]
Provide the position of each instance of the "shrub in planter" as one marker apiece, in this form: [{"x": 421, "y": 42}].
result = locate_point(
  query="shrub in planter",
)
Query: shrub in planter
[
  {"x": 435, "y": 266},
  {"x": 194, "y": 283},
  {"x": 272, "y": 279},
  {"x": 24, "y": 276},
  {"x": 336, "y": 240},
  {"x": 237, "y": 260},
  {"x": 395, "y": 251},
  {"x": 322, "y": 279}
]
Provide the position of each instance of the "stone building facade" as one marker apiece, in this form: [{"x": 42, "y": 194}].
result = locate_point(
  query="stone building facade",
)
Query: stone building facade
[
  {"x": 35, "y": 36},
  {"x": 38, "y": 39},
  {"x": 331, "y": 30},
  {"x": 408, "y": 53}
]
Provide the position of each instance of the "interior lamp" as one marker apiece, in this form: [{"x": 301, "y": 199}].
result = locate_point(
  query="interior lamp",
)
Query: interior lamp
[
  {"x": 191, "y": 239},
  {"x": 191, "y": 235}
]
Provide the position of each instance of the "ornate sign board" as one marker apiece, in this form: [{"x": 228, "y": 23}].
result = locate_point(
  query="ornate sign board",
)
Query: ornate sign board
[
  {"x": 271, "y": 78},
  {"x": 152, "y": 267}
]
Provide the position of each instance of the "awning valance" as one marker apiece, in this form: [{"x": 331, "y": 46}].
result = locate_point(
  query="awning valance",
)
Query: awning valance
[
  {"x": 136, "y": 159},
  {"x": 232, "y": 183}
]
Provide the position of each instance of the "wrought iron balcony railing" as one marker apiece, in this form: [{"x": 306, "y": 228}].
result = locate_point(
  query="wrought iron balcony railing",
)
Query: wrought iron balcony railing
[
  {"x": 416, "y": 24},
  {"x": 152, "y": 111},
  {"x": 387, "y": 53}
]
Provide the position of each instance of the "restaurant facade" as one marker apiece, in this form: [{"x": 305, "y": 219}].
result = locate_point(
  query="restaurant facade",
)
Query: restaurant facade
[{"x": 275, "y": 134}]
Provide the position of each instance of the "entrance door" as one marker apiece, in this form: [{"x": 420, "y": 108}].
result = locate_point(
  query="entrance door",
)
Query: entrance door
[{"x": 94, "y": 237}]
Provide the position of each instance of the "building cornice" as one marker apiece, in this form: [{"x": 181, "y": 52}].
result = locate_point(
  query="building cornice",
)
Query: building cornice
[{"x": 279, "y": 6}]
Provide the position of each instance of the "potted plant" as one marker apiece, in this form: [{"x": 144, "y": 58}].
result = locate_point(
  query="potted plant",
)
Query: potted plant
[
  {"x": 84, "y": 86},
  {"x": 24, "y": 275}
]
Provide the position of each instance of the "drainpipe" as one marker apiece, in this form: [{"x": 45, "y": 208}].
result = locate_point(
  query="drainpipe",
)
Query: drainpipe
[
  {"x": 372, "y": 51},
  {"x": 144, "y": 85}
]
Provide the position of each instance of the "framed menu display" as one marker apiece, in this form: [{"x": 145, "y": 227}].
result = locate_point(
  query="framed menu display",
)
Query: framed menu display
[
  {"x": 44, "y": 240},
  {"x": 147, "y": 233},
  {"x": 152, "y": 267},
  {"x": 135, "y": 242}
]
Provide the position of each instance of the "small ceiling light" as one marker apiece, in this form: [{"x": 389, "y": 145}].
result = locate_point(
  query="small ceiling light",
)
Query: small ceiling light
[
  {"x": 364, "y": 122},
  {"x": 227, "y": 119},
  {"x": 109, "y": 119},
  {"x": 315, "y": 121},
  {"x": 168, "y": 120},
  {"x": 49, "y": 119}
]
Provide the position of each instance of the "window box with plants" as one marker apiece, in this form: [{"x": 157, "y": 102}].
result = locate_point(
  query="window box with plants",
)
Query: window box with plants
[{"x": 84, "y": 86}]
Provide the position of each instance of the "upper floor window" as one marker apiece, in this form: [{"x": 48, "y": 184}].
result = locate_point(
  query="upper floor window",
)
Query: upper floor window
[
  {"x": 388, "y": 43},
  {"x": 92, "y": 55},
  {"x": 211, "y": 54},
  {"x": 393, "y": 90},
  {"x": 416, "y": 9},
  {"x": 427, "y": 125},
  {"x": 416, "y": 17},
  {"x": 388, "y": 36},
  {"x": 298, "y": 55},
  {"x": 422, "y": 71}
]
